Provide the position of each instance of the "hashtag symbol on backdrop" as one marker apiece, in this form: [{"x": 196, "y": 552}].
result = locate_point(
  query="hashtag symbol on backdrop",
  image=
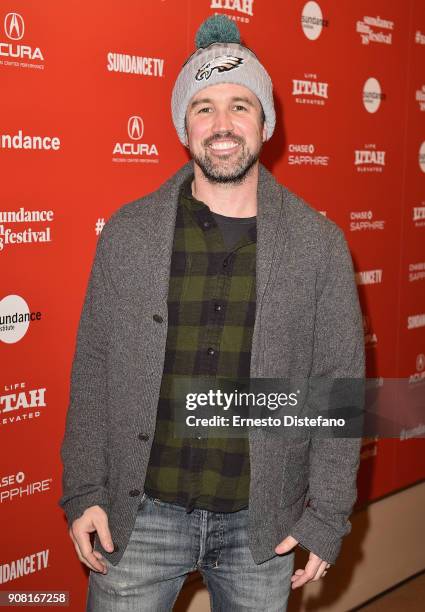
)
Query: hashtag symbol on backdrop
[{"x": 99, "y": 226}]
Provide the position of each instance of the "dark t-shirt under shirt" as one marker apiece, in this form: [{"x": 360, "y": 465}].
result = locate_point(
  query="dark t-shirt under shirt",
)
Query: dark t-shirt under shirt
[{"x": 232, "y": 228}]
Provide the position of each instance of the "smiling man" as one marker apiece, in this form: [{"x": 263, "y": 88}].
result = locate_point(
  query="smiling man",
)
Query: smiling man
[{"x": 222, "y": 272}]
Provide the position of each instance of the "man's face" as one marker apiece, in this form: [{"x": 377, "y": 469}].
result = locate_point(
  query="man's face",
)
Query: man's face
[{"x": 225, "y": 131}]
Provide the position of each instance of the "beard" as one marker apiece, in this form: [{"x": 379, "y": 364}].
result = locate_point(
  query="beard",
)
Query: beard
[{"x": 223, "y": 169}]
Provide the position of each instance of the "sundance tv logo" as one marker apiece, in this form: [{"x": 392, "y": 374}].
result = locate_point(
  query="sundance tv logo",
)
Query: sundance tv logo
[
  {"x": 24, "y": 566},
  {"x": 135, "y": 151},
  {"x": 12, "y": 51},
  {"x": 15, "y": 318}
]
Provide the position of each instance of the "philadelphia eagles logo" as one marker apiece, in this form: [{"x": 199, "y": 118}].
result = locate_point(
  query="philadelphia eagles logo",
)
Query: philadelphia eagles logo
[{"x": 224, "y": 63}]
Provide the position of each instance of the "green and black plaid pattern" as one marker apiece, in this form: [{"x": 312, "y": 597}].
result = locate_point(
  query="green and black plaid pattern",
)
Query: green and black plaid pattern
[{"x": 211, "y": 313}]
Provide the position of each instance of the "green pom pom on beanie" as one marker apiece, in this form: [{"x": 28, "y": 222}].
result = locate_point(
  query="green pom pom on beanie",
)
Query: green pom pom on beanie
[{"x": 217, "y": 28}]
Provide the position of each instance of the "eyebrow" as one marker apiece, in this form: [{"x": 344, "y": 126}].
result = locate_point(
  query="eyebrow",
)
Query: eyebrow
[{"x": 209, "y": 101}]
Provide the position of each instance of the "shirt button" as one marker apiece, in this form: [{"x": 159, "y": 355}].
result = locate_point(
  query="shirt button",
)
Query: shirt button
[
  {"x": 157, "y": 318},
  {"x": 134, "y": 493},
  {"x": 143, "y": 436},
  {"x": 217, "y": 307},
  {"x": 206, "y": 224},
  {"x": 210, "y": 351}
]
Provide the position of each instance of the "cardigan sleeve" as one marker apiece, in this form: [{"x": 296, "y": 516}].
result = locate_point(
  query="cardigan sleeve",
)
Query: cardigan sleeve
[
  {"x": 338, "y": 353},
  {"x": 83, "y": 449}
]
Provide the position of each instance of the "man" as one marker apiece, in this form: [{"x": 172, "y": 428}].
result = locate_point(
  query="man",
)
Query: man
[{"x": 221, "y": 272}]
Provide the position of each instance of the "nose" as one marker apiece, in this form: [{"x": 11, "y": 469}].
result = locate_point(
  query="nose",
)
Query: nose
[{"x": 222, "y": 121}]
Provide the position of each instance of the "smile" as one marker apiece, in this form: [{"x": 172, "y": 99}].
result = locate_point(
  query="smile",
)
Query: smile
[{"x": 224, "y": 145}]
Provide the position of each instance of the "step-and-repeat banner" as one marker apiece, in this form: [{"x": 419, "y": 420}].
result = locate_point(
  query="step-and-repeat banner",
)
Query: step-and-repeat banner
[{"x": 85, "y": 126}]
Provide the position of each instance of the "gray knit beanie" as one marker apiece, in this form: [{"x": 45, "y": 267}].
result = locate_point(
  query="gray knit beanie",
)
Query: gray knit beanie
[{"x": 221, "y": 58}]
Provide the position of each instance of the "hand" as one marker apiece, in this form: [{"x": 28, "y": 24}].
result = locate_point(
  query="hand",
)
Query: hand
[
  {"x": 93, "y": 519},
  {"x": 315, "y": 568}
]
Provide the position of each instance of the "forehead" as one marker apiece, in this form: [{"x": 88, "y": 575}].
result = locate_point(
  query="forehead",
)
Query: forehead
[{"x": 225, "y": 92}]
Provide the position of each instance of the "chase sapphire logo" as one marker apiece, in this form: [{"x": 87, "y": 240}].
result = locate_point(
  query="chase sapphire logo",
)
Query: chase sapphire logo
[{"x": 223, "y": 63}]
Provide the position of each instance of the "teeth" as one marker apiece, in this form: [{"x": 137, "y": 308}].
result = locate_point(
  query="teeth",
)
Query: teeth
[{"x": 223, "y": 145}]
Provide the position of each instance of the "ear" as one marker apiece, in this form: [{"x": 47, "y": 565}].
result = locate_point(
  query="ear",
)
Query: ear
[{"x": 264, "y": 132}]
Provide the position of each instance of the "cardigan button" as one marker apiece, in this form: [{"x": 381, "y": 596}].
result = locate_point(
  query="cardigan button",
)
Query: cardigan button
[
  {"x": 211, "y": 351},
  {"x": 134, "y": 493},
  {"x": 157, "y": 318},
  {"x": 143, "y": 436}
]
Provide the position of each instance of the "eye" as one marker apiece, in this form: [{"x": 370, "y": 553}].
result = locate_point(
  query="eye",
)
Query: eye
[
  {"x": 204, "y": 109},
  {"x": 240, "y": 106}
]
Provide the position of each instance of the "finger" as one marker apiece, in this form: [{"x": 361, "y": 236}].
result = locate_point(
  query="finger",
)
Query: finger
[
  {"x": 86, "y": 550},
  {"x": 320, "y": 571},
  {"x": 308, "y": 574},
  {"x": 104, "y": 535},
  {"x": 80, "y": 557},
  {"x": 286, "y": 545}
]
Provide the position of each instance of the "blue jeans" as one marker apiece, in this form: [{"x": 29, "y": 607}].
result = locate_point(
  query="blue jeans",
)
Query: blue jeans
[{"x": 167, "y": 544}]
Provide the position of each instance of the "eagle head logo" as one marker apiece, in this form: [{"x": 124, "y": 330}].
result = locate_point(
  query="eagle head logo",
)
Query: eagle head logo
[{"x": 223, "y": 63}]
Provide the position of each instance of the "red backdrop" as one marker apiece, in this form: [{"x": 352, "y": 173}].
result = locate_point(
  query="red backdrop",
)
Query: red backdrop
[{"x": 350, "y": 139}]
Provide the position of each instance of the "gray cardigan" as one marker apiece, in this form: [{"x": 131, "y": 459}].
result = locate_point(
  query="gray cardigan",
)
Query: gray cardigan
[{"x": 308, "y": 323}]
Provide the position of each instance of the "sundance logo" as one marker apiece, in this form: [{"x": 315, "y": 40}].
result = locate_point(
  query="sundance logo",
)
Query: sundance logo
[
  {"x": 135, "y": 151},
  {"x": 372, "y": 95},
  {"x": 32, "y": 143},
  {"x": 13, "y": 51},
  {"x": 367, "y": 30},
  {"x": 312, "y": 21},
  {"x": 15, "y": 318},
  {"x": 421, "y": 158}
]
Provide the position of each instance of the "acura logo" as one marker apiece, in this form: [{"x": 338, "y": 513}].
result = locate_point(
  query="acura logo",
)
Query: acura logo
[
  {"x": 420, "y": 362},
  {"x": 14, "y": 26},
  {"x": 135, "y": 127}
]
